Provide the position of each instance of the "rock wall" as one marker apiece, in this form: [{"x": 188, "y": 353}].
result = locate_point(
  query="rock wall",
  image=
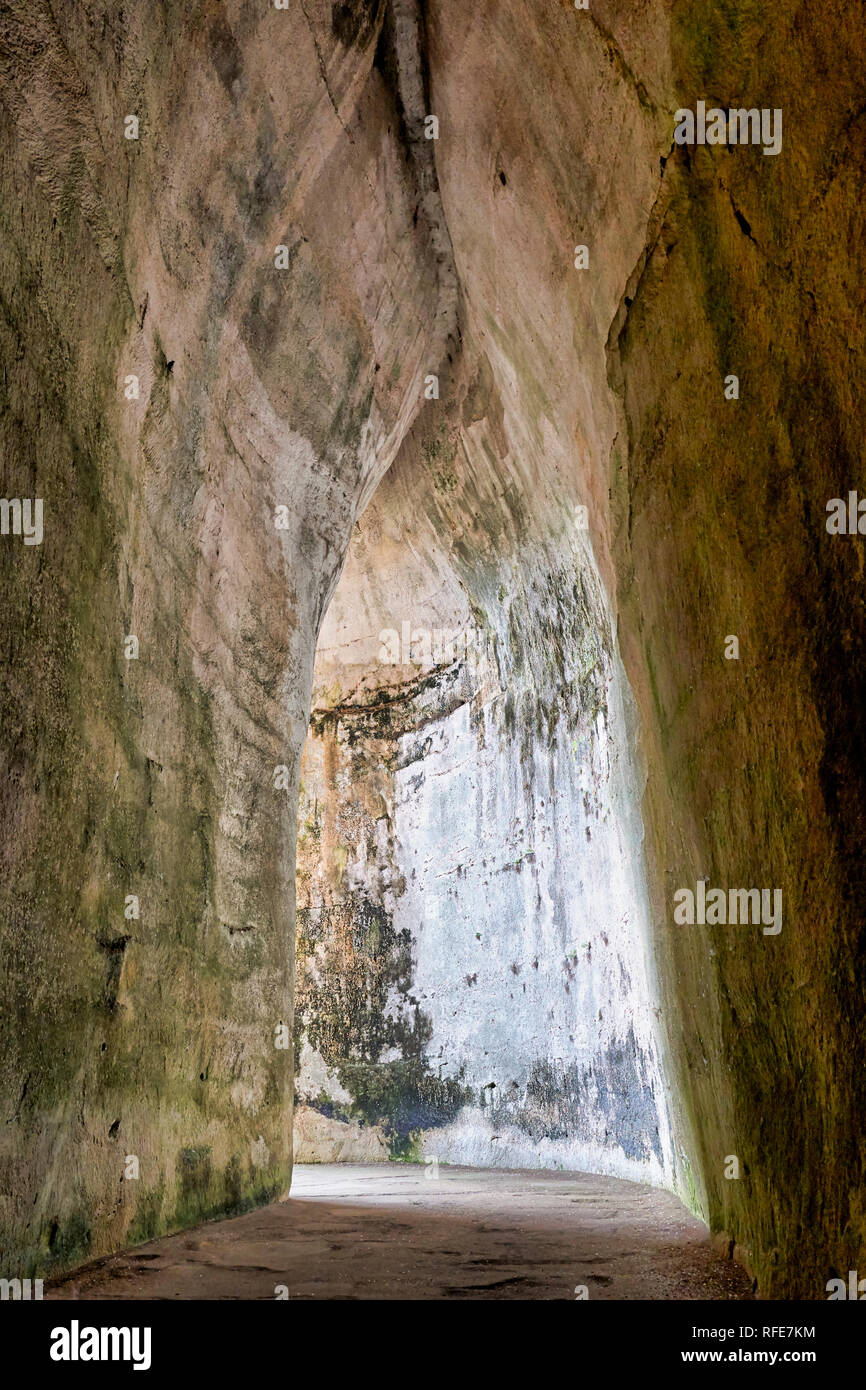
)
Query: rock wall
[
  {"x": 719, "y": 516},
  {"x": 610, "y": 387},
  {"x": 475, "y": 981},
  {"x": 480, "y": 878},
  {"x": 201, "y": 426}
]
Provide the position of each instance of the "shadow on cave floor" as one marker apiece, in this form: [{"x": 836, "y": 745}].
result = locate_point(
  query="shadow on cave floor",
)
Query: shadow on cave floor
[{"x": 395, "y": 1231}]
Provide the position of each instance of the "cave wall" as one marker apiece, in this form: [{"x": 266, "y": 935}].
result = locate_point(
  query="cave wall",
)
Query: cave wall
[
  {"x": 480, "y": 830},
  {"x": 474, "y": 981},
  {"x": 707, "y": 521},
  {"x": 154, "y": 1036},
  {"x": 719, "y": 523}
]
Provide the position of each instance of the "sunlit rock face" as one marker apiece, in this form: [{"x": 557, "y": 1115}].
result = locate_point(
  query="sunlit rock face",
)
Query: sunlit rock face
[
  {"x": 489, "y": 841},
  {"x": 474, "y": 968},
  {"x": 475, "y": 965}
]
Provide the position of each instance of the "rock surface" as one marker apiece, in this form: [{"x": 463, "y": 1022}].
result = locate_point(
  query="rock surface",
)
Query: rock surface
[{"x": 259, "y": 389}]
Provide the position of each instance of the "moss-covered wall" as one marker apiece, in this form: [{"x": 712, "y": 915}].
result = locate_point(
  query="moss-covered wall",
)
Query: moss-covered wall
[
  {"x": 751, "y": 268},
  {"x": 205, "y": 511}
]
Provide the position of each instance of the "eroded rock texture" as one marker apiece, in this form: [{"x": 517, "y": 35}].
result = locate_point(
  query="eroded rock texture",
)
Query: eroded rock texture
[
  {"x": 258, "y": 389},
  {"x": 490, "y": 836},
  {"x": 474, "y": 975}
]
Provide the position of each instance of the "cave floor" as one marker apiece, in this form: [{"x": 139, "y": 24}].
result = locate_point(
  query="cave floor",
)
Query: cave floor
[{"x": 390, "y": 1231}]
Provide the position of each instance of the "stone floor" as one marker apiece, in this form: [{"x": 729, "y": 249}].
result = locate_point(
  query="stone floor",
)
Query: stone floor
[{"x": 393, "y": 1231}]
